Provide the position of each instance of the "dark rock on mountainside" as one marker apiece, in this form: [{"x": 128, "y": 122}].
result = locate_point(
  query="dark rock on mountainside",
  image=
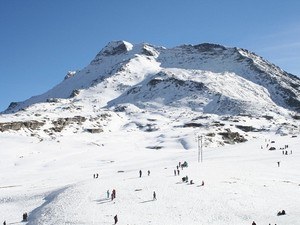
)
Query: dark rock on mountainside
[
  {"x": 232, "y": 137},
  {"x": 32, "y": 125},
  {"x": 246, "y": 128},
  {"x": 61, "y": 123}
]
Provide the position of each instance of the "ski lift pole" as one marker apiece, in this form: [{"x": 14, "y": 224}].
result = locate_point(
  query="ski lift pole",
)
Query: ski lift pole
[{"x": 200, "y": 147}]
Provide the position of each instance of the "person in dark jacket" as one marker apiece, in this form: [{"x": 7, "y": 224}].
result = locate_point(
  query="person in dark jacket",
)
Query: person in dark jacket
[
  {"x": 154, "y": 195},
  {"x": 114, "y": 193},
  {"x": 140, "y": 173},
  {"x": 148, "y": 172},
  {"x": 253, "y": 223},
  {"x": 116, "y": 219},
  {"x": 25, "y": 216}
]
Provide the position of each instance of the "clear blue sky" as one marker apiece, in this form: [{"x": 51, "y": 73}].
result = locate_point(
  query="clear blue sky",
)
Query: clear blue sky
[{"x": 40, "y": 40}]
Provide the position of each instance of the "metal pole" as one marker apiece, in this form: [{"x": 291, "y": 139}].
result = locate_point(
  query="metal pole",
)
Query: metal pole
[
  {"x": 198, "y": 148},
  {"x": 201, "y": 150}
]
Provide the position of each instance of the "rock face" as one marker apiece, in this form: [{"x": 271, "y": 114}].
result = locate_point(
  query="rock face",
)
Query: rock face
[
  {"x": 94, "y": 130},
  {"x": 32, "y": 125},
  {"x": 232, "y": 137},
  {"x": 61, "y": 123}
]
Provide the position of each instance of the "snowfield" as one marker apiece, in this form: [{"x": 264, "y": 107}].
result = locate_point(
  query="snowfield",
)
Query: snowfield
[
  {"x": 53, "y": 181},
  {"x": 143, "y": 107}
]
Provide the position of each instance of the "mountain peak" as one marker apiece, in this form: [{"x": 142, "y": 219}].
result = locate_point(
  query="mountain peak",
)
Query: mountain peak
[{"x": 116, "y": 48}]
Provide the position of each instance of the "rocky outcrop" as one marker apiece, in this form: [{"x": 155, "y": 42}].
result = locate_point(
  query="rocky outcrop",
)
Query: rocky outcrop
[
  {"x": 232, "y": 137},
  {"x": 61, "y": 123},
  {"x": 246, "y": 128},
  {"x": 94, "y": 130},
  {"x": 32, "y": 125}
]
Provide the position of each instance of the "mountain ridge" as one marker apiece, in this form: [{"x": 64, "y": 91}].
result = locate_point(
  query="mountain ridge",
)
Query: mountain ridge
[{"x": 117, "y": 57}]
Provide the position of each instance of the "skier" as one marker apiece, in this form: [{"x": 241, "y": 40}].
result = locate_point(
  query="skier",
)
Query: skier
[
  {"x": 154, "y": 195},
  {"x": 116, "y": 219},
  {"x": 175, "y": 172},
  {"x": 107, "y": 193},
  {"x": 178, "y": 172},
  {"x": 114, "y": 193},
  {"x": 278, "y": 164},
  {"x": 140, "y": 173},
  {"x": 202, "y": 183},
  {"x": 148, "y": 172},
  {"x": 4, "y": 223},
  {"x": 253, "y": 223}
]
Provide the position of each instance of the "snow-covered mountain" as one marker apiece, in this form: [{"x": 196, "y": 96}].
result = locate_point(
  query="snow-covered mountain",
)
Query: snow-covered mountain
[
  {"x": 142, "y": 107},
  {"x": 207, "y": 78},
  {"x": 125, "y": 80}
]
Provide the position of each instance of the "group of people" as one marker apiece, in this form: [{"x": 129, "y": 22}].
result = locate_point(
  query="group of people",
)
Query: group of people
[
  {"x": 25, "y": 216},
  {"x": 112, "y": 196},
  {"x": 141, "y": 173},
  {"x": 96, "y": 175},
  {"x": 281, "y": 213},
  {"x": 185, "y": 178}
]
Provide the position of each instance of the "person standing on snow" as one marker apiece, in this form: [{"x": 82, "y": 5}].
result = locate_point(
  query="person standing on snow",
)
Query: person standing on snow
[
  {"x": 253, "y": 223},
  {"x": 107, "y": 193},
  {"x": 154, "y": 195},
  {"x": 114, "y": 193},
  {"x": 140, "y": 173},
  {"x": 116, "y": 219},
  {"x": 148, "y": 172}
]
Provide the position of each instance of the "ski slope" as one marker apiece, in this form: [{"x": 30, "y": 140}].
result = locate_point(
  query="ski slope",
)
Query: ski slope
[{"x": 53, "y": 181}]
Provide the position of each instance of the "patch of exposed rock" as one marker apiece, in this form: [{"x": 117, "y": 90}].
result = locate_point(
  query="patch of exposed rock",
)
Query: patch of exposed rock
[
  {"x": 61, "y": 123},
  {"x": 232, "y": 137},
  {"x": 32, "y": 125}
]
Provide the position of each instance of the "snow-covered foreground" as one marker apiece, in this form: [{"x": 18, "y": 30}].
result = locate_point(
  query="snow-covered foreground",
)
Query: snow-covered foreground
[{"x": 53, "y": 181}]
